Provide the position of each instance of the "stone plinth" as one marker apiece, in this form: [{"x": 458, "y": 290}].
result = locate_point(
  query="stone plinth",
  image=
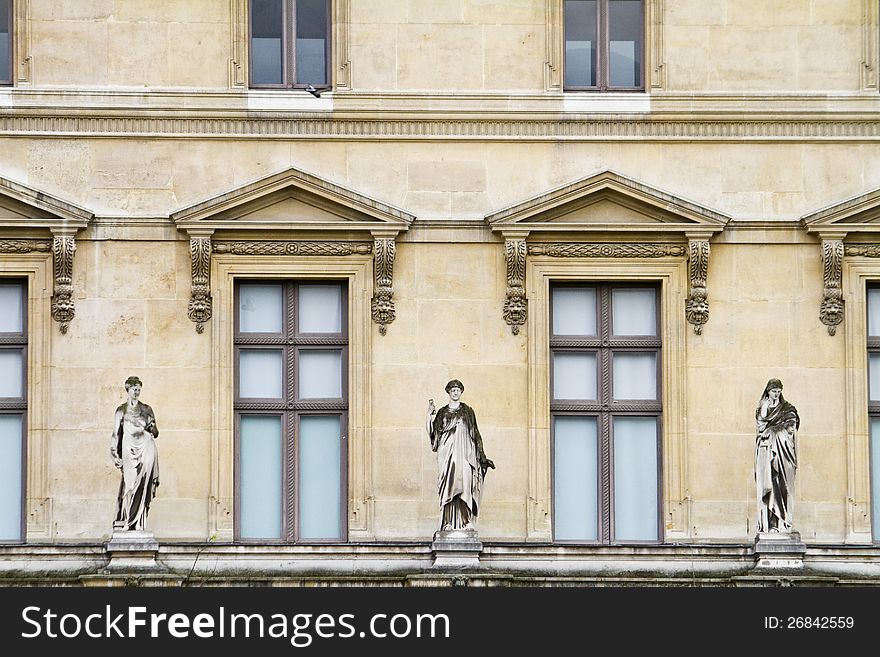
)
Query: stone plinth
[
  {"x": 775, "y": 550},
  {"x": 456, "y": 548},
  {"x": 132, "y": 551}
]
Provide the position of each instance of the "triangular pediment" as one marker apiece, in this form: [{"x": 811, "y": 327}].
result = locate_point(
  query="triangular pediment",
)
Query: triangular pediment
[
  {"x": 858, "y": 214},
  {"x": 22, "y": 207},
  {"x": 292, "y": 200},
  {"x": 607, "y": 202}
]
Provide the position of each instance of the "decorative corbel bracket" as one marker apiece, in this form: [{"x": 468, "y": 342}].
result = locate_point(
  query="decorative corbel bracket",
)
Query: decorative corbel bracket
[
  {"x": 697, "y": 303},
  {"x": 200, "y": 303},
  {"x": 382, "y": 305},
  {"x": 515, "y": 310},
  {"x": 832, "y": 310},
  {"x": 63, "y": 250}
]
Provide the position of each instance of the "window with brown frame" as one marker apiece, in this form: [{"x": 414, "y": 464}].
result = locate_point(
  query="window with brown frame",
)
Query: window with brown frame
[
  {"x": 5, "y": 42},
  {"x": 291, "y": 411},
  {"x": 874, "y": 402},
  {"x": 604, "y": 45},
  {"x": 13, "y": 407},
  {"x": 289, "y": 43},
  {"x": 605, "y": 407}
]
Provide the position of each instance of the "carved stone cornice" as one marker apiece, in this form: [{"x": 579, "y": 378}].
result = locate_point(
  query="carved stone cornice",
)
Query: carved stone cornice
[
  {"x": 492, "y": 128},
  {"x": 25, "y": 246},
  {"x": 200, "y": 302},
  {"x": 832, "y": 309},
  {"x": 515, "y": 304},
  {"x": 383, "y": 302},
  {"x": 697, "y": 304},
  {"x": 63, "y": 306},
  {"x": 607, "y": 250},
  {"x": 282, "y": 247}
]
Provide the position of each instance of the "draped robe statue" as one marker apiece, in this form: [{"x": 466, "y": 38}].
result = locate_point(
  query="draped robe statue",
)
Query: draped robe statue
[{"x": 775, "y": 458}]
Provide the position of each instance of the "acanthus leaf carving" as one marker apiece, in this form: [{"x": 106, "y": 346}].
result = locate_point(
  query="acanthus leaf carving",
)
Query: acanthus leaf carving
[
  {"x": 200, "y": 303},
  {"x": 383, "y": 300},
  {"x": 63, "y": 306},
  {"x": 832, "y": 310},
  {"x": 697, "y": 303},
  {"x": 515, "y": 310}
]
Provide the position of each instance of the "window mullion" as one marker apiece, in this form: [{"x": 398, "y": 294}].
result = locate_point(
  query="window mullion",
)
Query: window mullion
[
  {"x": 290, "y": 29},
  {"x": 603, "y": 49},
  {"x": 290, "y": 477}
]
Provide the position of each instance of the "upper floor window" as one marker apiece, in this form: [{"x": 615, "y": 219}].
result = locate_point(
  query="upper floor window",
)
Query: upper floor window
[
  {"x": 874, "y": 402},
  {"x": 5, "y": 41},
  {"x": 604, "y": 45},
  {"x": 291, "y": 408},
  {"x": 13, "y": 406},
  {"x": 605, "y": 412},
  {"x": 289, "y": 43}
]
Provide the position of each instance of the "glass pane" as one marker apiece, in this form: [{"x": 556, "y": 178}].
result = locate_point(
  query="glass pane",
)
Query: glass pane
[
  {"x": 260, "y": 373},
  {"x": 874, "y": 311},
  {"x": 11, "y": 373},
  {"x": 267, "y": 25},
  {"x": 260, "y": 308},
  {"x": 311, "y": 42},
  {"x": 10, "y": 477},
  {"x": 320, "y": 467},
  {"x": 11, "y": 316},
  {"x": 320, "y": 309},
  {"x": 574, "y": 311},
  {"x": 580, "y": 43},
  {"x": 875, "y": 477},
  {"x": 320, "y": 374},
  {"x": 575, "y": 479},
  {"x": 633, "y": 311},
  {"x": 574, "y": 375},
  {"x": 260, "y": 477},
  {"x": 635, "y": 478},
  {"x": 635, "y": 375},
  {"x": 625, "y": 27},
  {"x": 874, "y": 377}
]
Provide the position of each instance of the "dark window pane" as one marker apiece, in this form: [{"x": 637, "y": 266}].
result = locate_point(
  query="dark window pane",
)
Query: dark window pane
[
  {"x": 625, "y": 43},
  {"x": 580, "y": 43},
  {"x": 267, "y": 42},
  {"x": 5, "y": 43},
  {"x": 311, "y": 41}
]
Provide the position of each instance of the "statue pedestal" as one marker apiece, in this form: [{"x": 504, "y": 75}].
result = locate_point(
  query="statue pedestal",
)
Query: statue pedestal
[
  {"x": 456, "y": 548},
  {"x": 132, "y": 551},
  {"x": 779, "y": 550}
]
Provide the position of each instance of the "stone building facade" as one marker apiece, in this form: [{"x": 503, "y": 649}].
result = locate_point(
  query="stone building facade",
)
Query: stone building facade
[{"x": 466, "y": 179}]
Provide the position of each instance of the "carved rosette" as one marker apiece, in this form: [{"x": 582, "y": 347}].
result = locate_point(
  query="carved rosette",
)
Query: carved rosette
[
  {"x": 831, "y": 312},
  {"x": 515, "y": 305},
  {"x": 383, "y": 302},
  {"x": 63, "y": 307},
  {"x": 697, "y": 304},
  {"x": 199, "y": 309}
]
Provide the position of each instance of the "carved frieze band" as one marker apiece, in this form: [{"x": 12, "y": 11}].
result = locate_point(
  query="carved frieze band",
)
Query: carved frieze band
[
  {"x": 200, "y": 303},
  {"x": 831, "y": 312},
  {"x": 473, "y": 129},
  {"x": 593, "y": 250},
  {"x": 255, "y": 247},
  {"x": 866, "y": 250},
  {"x": 515, "y": 305},
  {"x": 697, "y": 304},
  {"x": 25, "y": 246},
  {"x": 63, "y": 307},
  {"x": 383, "y": 300}
]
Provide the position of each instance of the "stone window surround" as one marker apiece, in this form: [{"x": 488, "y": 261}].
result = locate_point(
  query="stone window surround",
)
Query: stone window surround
[
  {"x": 37, "y": 269},
  {"x": 339, "y": 62},
  {"x": 672, "y": 277},
  {"x": 653, "y": 65},
  {"x": 357, "y": 270}
]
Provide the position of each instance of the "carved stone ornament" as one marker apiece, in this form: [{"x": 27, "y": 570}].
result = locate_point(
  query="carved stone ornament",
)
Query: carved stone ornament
[
  {"x": 515, "y": 305},
  {"x": 593, "y": 250},
  {"x": 63, "y": 307},
  {"x": 697, "y": 304},
  {"x": 199, "y": 310},
  {"x": 25, "y": 246},
  {"x": 383, "y": 302},
  {"x": 256, "y": 247},
  {"x": 831, "y": 312}
]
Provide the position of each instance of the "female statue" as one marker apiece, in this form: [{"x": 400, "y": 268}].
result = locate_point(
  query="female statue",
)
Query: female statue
[{"x": 775, "y": 458}]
